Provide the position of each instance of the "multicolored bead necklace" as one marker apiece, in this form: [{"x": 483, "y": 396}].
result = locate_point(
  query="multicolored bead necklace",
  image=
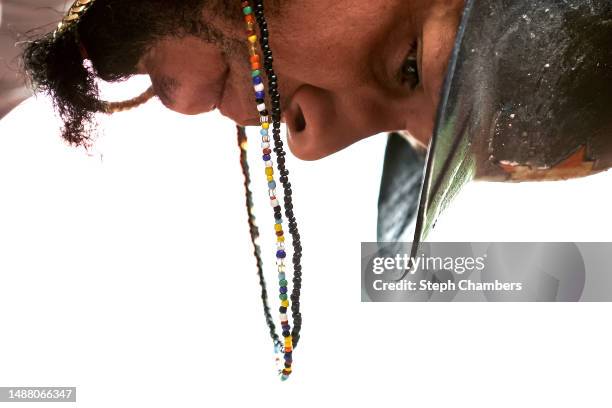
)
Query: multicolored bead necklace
[{"x": 254, "y": 15}]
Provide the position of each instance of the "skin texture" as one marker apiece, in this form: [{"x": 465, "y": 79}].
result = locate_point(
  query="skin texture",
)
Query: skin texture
[{"x": 339, "y": 67}]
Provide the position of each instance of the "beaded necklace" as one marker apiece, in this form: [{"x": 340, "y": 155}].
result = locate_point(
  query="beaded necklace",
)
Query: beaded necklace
[{"x": 254, "y": 15}]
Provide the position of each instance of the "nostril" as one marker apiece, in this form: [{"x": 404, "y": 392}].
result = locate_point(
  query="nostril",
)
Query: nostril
[{"x": 299, "y": 121}]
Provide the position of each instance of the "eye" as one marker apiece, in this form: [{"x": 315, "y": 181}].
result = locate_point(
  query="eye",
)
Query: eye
[{"x": 409, "y": 71}]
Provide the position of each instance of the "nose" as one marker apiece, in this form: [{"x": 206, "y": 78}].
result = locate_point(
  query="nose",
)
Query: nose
[{"x": 322, "y": 122}]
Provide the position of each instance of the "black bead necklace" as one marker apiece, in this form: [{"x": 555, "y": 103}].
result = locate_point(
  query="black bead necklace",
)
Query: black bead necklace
[{"x": 292, "y": 336}]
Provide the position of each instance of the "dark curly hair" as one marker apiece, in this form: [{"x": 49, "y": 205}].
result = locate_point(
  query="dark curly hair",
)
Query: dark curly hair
[{"x": 115, "y": 33}]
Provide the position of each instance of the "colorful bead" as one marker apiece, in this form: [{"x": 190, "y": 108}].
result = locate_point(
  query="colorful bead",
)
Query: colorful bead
[{"x": 255, "y": 61}]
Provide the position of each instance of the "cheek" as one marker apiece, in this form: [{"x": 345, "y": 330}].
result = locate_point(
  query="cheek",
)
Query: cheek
[{"x": 324, "y": 47}]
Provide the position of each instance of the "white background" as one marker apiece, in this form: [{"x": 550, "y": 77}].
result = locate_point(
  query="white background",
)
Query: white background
[{"x": 128, "y": 273}]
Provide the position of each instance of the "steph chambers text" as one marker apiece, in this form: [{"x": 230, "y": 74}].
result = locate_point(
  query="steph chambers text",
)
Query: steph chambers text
[{"x": 448, "y": 286}]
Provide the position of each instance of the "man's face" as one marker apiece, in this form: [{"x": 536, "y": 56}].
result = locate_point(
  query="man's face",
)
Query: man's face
[{"x": 341, "y": 66}]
